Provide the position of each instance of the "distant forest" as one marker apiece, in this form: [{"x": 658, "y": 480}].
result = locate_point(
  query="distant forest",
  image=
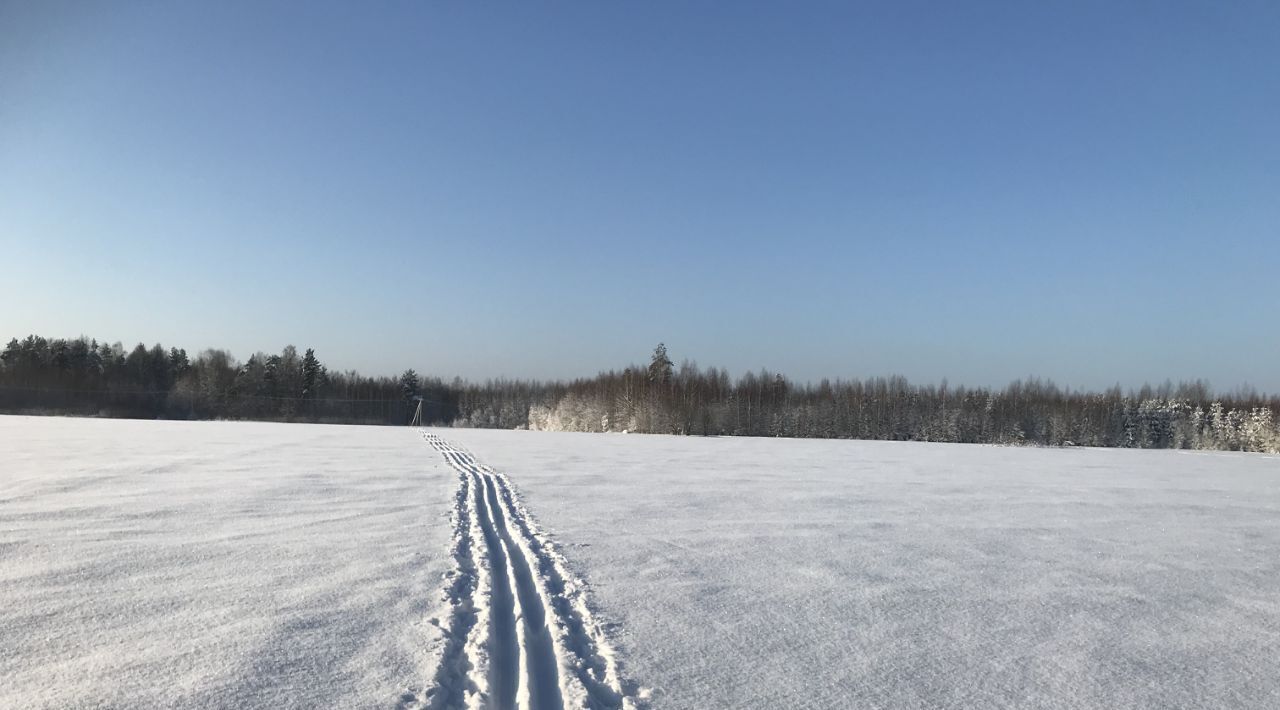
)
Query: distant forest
[{"x": 84, "y": 377}]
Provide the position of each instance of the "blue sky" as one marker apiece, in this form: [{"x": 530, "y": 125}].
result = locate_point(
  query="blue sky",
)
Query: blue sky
[{"x": 1088, "y": 192}]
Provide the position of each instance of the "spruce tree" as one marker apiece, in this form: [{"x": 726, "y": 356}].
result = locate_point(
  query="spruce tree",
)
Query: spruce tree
[
  {"x": 310, "y": 373},
  {"x": 409, "y": 384},
  {"x": 660, "y": 366}
]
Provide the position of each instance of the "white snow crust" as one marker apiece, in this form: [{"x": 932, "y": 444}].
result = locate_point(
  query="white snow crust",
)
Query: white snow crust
[
  {"x": 521, "y": 630},
  {"x": 246, "y": 565},
  {"x": 150, "y": 564},
  {"x": 762, "y": 573}
]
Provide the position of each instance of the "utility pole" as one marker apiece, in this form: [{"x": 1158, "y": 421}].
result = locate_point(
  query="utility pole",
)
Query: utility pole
[{"x": 417, "y": 414}]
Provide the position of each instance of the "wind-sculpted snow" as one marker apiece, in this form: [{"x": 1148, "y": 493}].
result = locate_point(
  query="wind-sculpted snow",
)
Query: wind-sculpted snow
[
  {"x": 767, "y": 573},
  {"x": 521, "y": 633},
  {"x": 235, "y": 565},
  {"x": 209, "y": 565}
]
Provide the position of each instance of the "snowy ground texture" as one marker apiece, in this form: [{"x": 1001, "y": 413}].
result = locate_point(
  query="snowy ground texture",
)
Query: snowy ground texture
[
  {"x": 226, "y": 565},
  {"x": 217, "y": 564},
  {"x": 521, "y": 629},
  {"x": 759, "y": 573}
]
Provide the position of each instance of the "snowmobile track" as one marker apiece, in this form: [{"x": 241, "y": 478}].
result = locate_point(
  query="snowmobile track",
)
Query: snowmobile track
[{"x": 520, "y": 632}]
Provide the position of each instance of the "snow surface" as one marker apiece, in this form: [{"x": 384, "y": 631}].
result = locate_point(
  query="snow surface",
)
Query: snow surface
[
  {"x": 154, "y": 564},
  {"x": 758, "y": 573},
  {"x": 521, "y": 629},
  {"x": 220, "y": 565}
]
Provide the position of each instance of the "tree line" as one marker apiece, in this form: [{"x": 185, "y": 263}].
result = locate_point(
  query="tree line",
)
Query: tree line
[
  {"x": 82, "y": 376},
  {"x": 663, "y": 398}
]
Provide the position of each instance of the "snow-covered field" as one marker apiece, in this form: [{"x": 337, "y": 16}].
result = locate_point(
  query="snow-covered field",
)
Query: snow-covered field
[
  {"x": 217, "y": 564},
  {"x": 757, "y": 573},
  {"x": 207, "y": 564}
]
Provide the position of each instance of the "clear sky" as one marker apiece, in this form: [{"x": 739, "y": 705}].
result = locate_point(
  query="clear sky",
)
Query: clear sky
[{"x": 1083, "y": 191}]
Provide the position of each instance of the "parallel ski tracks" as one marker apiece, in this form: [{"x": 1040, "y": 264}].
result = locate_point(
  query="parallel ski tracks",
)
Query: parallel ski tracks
[{"x": 520, "y": 633}]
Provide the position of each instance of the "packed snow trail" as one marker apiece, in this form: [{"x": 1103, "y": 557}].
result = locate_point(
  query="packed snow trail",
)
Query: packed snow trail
[
  {"x": 504, "y": 662},
  {"x": 520, "y": 633}
]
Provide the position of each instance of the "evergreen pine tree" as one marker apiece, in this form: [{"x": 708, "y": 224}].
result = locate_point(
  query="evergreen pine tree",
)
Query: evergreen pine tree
[
  {"x": 310, "y": 373},
  {"x": 409, "y": 384},
  {"x": 660, "y": 366}
]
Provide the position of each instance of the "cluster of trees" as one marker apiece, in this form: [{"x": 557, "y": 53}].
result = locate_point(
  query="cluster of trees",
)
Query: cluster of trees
[
  {"x": 82, "y": 376},
  {"x": 663, "y": 398}
]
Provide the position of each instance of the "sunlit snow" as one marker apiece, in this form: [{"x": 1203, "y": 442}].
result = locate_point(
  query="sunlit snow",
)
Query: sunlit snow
[
  {"x": 221, "y": 565},
  {"x": 767, "y": 573},
  {"x": 216, "y": 564}
]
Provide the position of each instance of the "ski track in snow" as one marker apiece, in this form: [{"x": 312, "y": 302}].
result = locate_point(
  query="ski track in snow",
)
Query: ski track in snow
[{"x": 520, "y": 632}]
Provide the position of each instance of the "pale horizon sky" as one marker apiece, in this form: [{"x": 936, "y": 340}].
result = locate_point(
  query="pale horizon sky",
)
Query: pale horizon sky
[{"x": 1083, "y": 192}]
